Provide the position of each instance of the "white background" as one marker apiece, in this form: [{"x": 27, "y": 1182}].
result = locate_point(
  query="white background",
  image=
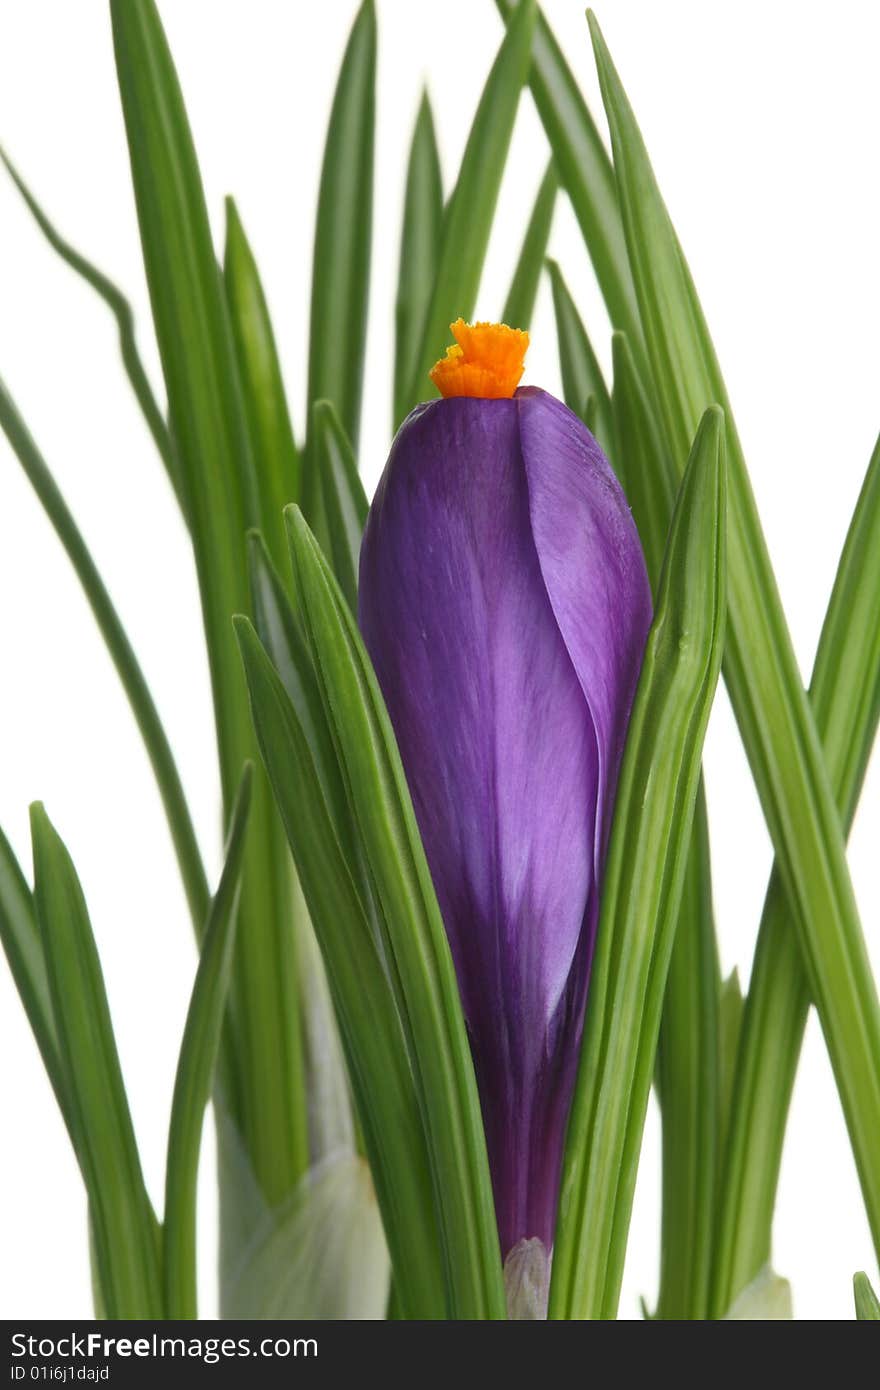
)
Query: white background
[{"x": 764, "y": 124}]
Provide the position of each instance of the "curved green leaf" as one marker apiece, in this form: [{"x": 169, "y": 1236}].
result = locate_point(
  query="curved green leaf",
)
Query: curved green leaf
[
  {"x": 581, "y": 374},
  {"x": 413, "y": 938},
  {"x": 271, "y": 434},
  {"x": 867, "y": 1303},
  {"x": 345, "y": 502},
  {"x": 121, "y": 309},
  {"x": 195, "y": 1071},
  {"x": 642, "y": 891},
  {"x": 124, "y": 1227},
  {"x": 760, "y": 667}
]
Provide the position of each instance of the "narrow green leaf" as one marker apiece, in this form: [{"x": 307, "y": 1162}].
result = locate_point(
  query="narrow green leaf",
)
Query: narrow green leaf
[
  {"x": 152, "y": 732},
  {"x": 760, "y": 667},
  {"x": 867, "y": 1303},
  {"x": 20, "y": 938},
  {"x": 581, "y": 373},
  {"x": 845, "y": 699},
  {"x": 730, "y": 1022},
  {"x": 271, "y": 433},
  {"x": 585, "y": 173},
  {"x": 520, "y": 303},
  {"x": 688, "y": 1051},
  {"x": 345, "y": 502},
  {"x": 195, "y": 1071},
  {"x": 341, "y": 268},
  {"x": 210, "y": 428},
  {"x": 123, "y": 1222},
  {"x": 296, "y": 756},
  {"x": 471, "y": 209},
  {"x": 412, "y": 933},
  {"x": 121, "y": 309},
  {"x": 419, "y": 251},
  {"x": 642, "y": 890}
]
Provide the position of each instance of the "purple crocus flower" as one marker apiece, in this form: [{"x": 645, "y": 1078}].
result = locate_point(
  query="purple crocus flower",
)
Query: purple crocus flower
[{"x": 505, "y": 605}]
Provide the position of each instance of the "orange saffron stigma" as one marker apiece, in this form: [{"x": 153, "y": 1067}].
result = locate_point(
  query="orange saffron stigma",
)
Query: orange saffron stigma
[{"x": 485, "y": 360}]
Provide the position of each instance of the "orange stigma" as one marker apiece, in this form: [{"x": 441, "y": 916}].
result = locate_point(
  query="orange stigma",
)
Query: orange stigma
[{"x": 485, "y": 360}]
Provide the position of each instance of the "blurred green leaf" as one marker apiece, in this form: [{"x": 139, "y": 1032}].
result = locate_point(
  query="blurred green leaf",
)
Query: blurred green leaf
[
  {"x": 110, "y": 626},
  {"x": 210, "y": 428},
  {"x": 581, "y": 373},
  {"x": 301, "y": 763},
  {"x": 345, "y": 502},
  {"x": 195, "y": 1071},
  {"x": 585, "y": 173},
  {"x": 413, "y": 938},
  {"x": 419, "y": 251},
  {"x": 121, "y": 309},
  {"x": 341, "y": 269},
  {"x": 845, "y": 699},
  {"x": 468, "y": 218},
  {"x": 520, "y": 304},
  {"x": 867, "y": 1303},
  {"x": 760, "y": 667},
  {"x": 271, "y": 433},
  {"x": 642, "y": 890},
  {"x": 126, "y": 1245}
]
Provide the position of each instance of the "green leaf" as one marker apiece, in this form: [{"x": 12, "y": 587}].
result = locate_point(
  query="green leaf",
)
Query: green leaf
[
  {"x": 207, "y": 414},
  {"x": 585, "y": 172},
  {"x": 296, "y": 753},
  {"x": 642, "y": 891},
  {"x": 121, "y": 309},
  {"x": 867, "y": 1303},
  {"x": 123, "y": 1222},
  {"x": 341, "y": 269},
  {"x": 581, "y": 373},
  {"x": 845, "y": 699},
  {"x": 345, "y": 502},
  {"x": 688, "y": 1050},
  {"x": 412, "y": 934},
  {"x": 195, "y": 1071},
  {"x": 20, "y": 938},
  {"x": 419, "y": 251},
  {"x": 760, "y": 667},
  {"x": 471, "y": 209},
  {"x": 520, "y": 303},
  {"x": 271, "y": 433},
  {"x": 110, "y": 626}
]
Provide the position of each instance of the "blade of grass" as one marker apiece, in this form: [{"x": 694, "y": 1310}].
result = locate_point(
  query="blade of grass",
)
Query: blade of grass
[
  {"x": 585, "y": 173},
  {"x": 845, "y": 699},
  {"x": 520, "y": 303},
  {"x": 152, "y": 732},
  {"x": 642, "y": 891},
  {"x": 688, "y": 1079},
  {"x": 121, "y": 309},
  {"x": 271, "y": 433},
  {"x": 345, "y": 502},
  {"x": 195, "y": 1071},
  {"x": 867, "y": 1303},
  {"x": 760, "y": 667},
  {"x": 122, "y": 1219},
  {"x": 469, "y": 215},
  {"x": 581, "y": 374},
  {"x": 419, "y": 250},
  {"x": 413, "y": 937},
  {"x": 301, "y": 764},
  {"x": 341, "y": 268},
  {"x": 210, "y": 427}
]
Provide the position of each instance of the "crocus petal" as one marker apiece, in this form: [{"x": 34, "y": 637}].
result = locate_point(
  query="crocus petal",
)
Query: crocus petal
[{"x": 489, "y": 674}]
